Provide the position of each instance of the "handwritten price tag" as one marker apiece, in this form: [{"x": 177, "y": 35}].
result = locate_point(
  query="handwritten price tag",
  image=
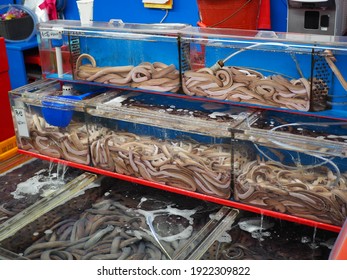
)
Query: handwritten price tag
[
  {"x": 54, "y": 34},
  {"x": 21, "y": 121}
]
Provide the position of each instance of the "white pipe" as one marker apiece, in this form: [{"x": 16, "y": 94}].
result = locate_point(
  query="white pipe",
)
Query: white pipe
[{"x": 59, "y": 60}]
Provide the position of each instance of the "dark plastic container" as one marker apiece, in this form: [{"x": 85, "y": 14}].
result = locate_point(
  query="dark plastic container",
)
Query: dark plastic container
[{"x": 17, "y": 29}]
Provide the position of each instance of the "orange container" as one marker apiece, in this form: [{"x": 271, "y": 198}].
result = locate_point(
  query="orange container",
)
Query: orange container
[
  {"x": 8, "y": 148},
  {"x": 238, "y": 14}
]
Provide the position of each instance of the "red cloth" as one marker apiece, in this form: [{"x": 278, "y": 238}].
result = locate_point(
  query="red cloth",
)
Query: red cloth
[
  {"x": 49, "y": 5},
  {"x": 264, "y": 21}
]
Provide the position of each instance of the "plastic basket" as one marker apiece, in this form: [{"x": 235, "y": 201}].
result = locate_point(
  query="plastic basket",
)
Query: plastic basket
[
  {"x": 17, "y": 29},
  {"x": 238, "y": 14},
  {"x": 8, "y": 148}
]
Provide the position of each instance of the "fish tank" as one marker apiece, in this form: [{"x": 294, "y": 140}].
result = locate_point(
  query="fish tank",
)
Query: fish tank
[
  {"x": 322, "y": 136},
  {"x": 48, "y": 198},
  {"x": 117, "y": 220},
  {"x": 296, "y": 181},
  {"x": 177, "y": 143},
  {"x": 257, "y": 237},
  {"x": 30, "y": 181},
  {"x": 51, "y": 123},
  {"x": 297, "y": 166},
  {"x": 142, "y": 56},
  {"x": 294, "y": 72}
]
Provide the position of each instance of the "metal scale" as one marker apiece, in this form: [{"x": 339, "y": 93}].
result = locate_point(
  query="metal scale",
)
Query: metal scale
[{"x": 327, "y": 17}]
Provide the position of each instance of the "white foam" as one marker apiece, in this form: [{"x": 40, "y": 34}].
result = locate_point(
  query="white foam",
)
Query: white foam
[
  {"x": 169, "y": 210},
  {"x": 225, "y": 238},
  {"x": 117, "y": 101},
  {"x": 143, "y": 199},
  {"x": 254, "y": 224},
  {"x": 214, "y": 115},
  {"x": 38, "y": 184}
]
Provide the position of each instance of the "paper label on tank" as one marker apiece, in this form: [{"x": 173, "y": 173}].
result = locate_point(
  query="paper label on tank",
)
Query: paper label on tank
[
  {"x": 55, "y": 34},
  {"x": 21, "y": 122}
]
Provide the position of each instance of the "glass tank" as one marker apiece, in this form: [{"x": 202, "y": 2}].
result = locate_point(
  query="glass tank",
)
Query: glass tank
[
  {"x": 25, "y": 184},
  {"x": 323, "y": 136},
  {"x": 144, "y": 56},
  {"x": 259, "y": 117},
  {"x": 298, "y": 182},
  {"x": 51, "y": 123},
  {"x": 116, "y": 220},
  {"x": 179, "y": 143},
  {"x": 296, "y": 72},
  {"x": 169, "y": 112},
  {"x": 50, "y": 200},
  {"x": 296, "y": 165},
  {"x": 257, "y": 237}
]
